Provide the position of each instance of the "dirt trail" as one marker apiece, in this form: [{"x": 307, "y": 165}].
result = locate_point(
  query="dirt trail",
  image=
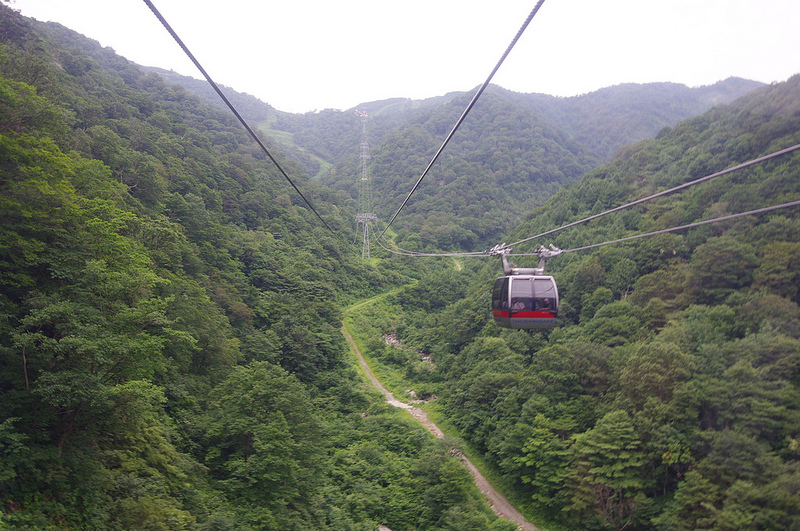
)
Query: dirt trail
[{"x": 499, "y": 504}]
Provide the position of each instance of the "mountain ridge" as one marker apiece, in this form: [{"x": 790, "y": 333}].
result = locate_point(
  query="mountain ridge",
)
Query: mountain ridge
[
  {"x": 666, "y": 102},
  {"x": 589, "y": 129}
]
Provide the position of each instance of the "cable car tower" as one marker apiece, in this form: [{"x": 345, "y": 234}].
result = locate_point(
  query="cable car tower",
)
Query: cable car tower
[{"x": 364, "y": 213}]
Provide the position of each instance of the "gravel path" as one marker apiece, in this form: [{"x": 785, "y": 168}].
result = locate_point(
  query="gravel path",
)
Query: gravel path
[{"x": 499, "y": 504}]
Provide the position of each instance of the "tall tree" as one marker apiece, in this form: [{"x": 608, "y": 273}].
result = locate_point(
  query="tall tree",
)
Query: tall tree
[{"x": 607, "y": 471}]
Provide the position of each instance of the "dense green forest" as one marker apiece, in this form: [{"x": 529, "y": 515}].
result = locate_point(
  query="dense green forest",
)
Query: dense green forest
[
  {"x": 515, "y": 151},
  {"x": 170, "y": 353},
  {"x": 170, "y": 346},
  {"x": 512, "y": 154},
  {"x": 611, "y": 118},
  {"x": 668, "y": 396}
]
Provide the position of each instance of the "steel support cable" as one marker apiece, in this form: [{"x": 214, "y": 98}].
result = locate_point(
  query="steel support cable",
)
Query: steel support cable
[
  {"x": 396, "y": 250},
  {"x": 648, "y": 198},
  {"x": 405, "y": 252},
  {"x": 216, "y": 88},
  {"x": 393, "y": 251},
  {"x": 665, "y": 192},
  {"x": 674, "y": 229},
  {"x": 466, "y": 111}
]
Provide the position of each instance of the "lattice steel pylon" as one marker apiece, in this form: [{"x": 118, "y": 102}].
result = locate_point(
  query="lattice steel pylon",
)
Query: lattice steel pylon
[{"x": 364, "y": 213}]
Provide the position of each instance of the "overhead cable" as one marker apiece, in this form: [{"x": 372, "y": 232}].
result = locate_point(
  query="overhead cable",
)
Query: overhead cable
[
  {"x": 628, "y": 205},
  {"x": 400, "y": 250},
  {"x": 216, "y": 88},
  {"x": 466, "y": 111},
  {"x": 665, "y": 192},
  {"x": 404, "y": 252},
  {"x": 681, "y": 227}
]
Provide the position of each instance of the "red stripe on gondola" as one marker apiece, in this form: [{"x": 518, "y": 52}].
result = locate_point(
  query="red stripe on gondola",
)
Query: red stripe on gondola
[
  {"x": 532, "y": 315},
  {"x": 524, "y": 314}
]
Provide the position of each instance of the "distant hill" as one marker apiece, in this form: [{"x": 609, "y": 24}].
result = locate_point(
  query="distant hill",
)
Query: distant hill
[
  {"x": 607, "y": 119},
  {"x": 603, "y": 120},
  {"x": 512, "y": 153},
  {"x": 253, "y": 108},
  {"x": 503, "y": 161}
]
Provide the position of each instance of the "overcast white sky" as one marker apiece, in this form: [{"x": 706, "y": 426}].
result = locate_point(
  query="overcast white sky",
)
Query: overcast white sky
[{"x": 306, "y": 55}]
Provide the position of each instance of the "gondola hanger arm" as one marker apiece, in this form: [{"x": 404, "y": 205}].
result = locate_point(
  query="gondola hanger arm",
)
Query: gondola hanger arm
[{"x": 502, "y": 250}]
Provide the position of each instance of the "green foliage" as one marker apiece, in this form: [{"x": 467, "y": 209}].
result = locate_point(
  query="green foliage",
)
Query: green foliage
[
  {"x": 672, "y": 376},
  {"x": 264, "y": 436},
  {"x": 22, "y": 111},
  {"x": 720, "y": 267},
  {"x": 778, "y": 268},
  {"x": 487, "y": 182},
  {"x": 543, "y": 456},
  {"x": 653, "y": 370},
  {"x": 606, "y": 471},
  {"x": 170, "y": 354},
  {"x": 143, "y": 258}
]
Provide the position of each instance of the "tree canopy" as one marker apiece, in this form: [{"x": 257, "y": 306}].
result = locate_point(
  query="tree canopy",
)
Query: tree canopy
[{"x": 171, "y": 355}]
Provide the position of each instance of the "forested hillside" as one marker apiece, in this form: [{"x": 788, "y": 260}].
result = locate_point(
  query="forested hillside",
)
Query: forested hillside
[
  {"x": 512, "y": 153},
  {"x": 668, "y": 396},
  {"x": 170, "y": 346},
  {"x": 613, "y": 117},
  {"x": 316, "y": 140},
  {"x": 170, "y": 353},
  {"x": 601, "y": 121}
]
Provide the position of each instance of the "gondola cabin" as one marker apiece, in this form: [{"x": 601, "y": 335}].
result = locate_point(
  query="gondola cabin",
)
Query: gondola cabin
[{"x": 525, "y": 301}]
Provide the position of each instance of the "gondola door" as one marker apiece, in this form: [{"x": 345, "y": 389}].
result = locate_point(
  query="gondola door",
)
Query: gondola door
[{"x": 500, "y": 305}]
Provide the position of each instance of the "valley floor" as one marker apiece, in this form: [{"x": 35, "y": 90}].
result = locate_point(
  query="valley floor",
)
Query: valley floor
[{"x": 499, "y": 504}]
